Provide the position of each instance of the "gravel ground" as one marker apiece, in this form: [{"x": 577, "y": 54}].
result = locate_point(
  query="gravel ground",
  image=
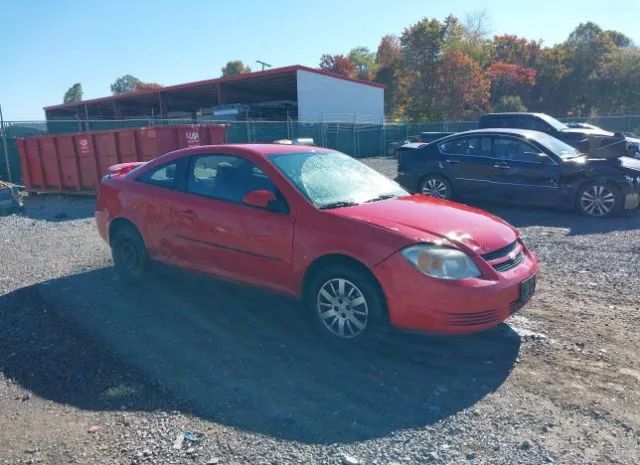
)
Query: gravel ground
[{"x": 94, "y": 372}]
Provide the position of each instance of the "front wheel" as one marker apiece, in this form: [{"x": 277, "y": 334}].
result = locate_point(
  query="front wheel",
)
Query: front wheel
[
  {"x": 436, "y": 186},
  {"x": 599, "y": 199},
  {"x": 129, "y": 253},
  {"x": 347, "y": 302}
]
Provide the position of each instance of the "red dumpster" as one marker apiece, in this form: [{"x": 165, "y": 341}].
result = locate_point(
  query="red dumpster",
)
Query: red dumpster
[{"x": 76, "y": 162}]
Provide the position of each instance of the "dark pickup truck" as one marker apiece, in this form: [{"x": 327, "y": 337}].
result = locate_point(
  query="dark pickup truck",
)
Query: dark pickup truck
[{"x": 596, "y": 143}]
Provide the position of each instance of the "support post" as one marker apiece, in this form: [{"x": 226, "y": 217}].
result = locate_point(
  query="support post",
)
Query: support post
[{"x": 4, "y": 146}]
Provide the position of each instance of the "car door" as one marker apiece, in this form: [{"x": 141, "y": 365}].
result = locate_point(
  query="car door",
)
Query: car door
[
  {"x": 524, "y": 172},
  {"x": 150, "y": 203},
  {"x": 214, "y": 232},
  {"x": 468, "y": 164}
]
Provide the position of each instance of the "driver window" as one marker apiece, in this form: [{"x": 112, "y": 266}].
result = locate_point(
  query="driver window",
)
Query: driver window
[
  {"x": 516, "y": 150},
  {"x": 226, "y": 177}
]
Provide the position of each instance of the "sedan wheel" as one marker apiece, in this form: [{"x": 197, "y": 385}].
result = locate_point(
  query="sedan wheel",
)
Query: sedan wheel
[
  {"x": 598, "y": 200},
  {"x": 342, "y": 308},
  {"x": 436, "y": 186},
  {"x": 129, "y": 253}
]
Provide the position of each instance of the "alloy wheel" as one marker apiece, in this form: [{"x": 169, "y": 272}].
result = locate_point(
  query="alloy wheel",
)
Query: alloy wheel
[
  {"x": 597, "y": 200},
  {"x": 435, "y": 188},
  {"x": 342, "y": 308}
]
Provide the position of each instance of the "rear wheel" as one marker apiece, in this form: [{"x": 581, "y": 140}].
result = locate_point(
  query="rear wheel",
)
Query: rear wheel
[
  {"x": 599, "y": 199},
  {"x": 436, "y": 186},
  {"x": 347, "y": 302},
  {"x": 129, "y": 253}
]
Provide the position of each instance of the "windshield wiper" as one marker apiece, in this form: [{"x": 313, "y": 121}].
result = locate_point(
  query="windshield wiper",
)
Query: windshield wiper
[
  {"x": 382, "y": 197},
  {"x": 342, "y": 203}
]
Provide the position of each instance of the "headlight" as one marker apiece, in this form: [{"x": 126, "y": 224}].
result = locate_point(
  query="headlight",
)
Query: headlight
[{"x": 441, "y": 262}]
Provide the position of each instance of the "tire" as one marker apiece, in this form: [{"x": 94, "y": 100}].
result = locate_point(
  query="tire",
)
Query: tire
[
  {"x": 130, "y": 257},
  {"x": 436, "y": 186},
  {"x": 357, "y": 313},
  {"x": 599, "y": 199}
]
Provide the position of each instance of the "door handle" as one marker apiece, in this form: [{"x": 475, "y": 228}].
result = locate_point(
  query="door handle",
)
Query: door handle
[
  {"x": 453, "y": 162},
  {"x": 502, "y": 166},
  {"x": 189, "y": 214}
]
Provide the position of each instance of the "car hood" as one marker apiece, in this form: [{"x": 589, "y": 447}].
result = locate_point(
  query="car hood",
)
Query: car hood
[
  {"x": 588, "y": 132},
  {"x": 630, "y": 164},
  {"x": 425, "y": 219}
]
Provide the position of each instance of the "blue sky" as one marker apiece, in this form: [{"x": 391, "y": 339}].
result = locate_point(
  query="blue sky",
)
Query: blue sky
[{"x": 48, "y": 45}]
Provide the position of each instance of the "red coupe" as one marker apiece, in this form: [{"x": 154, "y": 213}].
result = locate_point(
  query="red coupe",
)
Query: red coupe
[{"x": 321, "y": 226}]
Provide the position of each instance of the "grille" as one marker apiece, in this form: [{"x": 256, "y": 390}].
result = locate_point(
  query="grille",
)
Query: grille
[
  {"x": 508, "y": 264},
  {"x": 471, "y": 319},
  {"x": 515, "y": 306},
  {"x": 504, "y": 251}
]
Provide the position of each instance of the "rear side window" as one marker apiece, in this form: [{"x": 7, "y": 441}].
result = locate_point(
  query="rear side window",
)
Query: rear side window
[{"x": 163, "y": 176}]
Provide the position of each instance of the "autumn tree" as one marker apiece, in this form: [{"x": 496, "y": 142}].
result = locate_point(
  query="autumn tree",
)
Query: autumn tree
[
  {"x": 510, "y": 48},
  {"x": 74, "y": 94},
  {"x": 148, "y": 86},
  {"x": 235, "y": 67},
  {"x": 462, "y": 89},
  {"x": 339, "y": 64},
  {"x": 510, "y": 79}
]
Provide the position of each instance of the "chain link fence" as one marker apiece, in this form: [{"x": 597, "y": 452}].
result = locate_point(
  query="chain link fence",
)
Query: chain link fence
[{"x": 356, "y": 139}]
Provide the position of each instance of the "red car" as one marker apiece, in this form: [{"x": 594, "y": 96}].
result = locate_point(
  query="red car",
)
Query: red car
[{"x": 320, "y": 226}]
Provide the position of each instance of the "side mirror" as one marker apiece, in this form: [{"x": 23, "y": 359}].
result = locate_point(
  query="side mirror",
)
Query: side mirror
[
  {"x": 544, "y": 158},
  {"x": 259, "y": 199}
]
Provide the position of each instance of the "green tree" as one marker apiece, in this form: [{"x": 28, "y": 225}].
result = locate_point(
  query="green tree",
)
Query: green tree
[
  {"x": 550, "y": 93},
  {"x": 510, "y": 103},
  {"x": 468, "y": 37},
  {"x": 422, "y": 45},
  {"x": 365, "y": 61},
  {"x": 74, "y": 94},
  {"x": 616, "y": 83},
  {"x": 235, "y": 67},
  {"x": 618, "y": 38},
  {"x": 126, "y": 83},
  {"x": 586, "y": 48},
  {"x": 390, "y": 71}
]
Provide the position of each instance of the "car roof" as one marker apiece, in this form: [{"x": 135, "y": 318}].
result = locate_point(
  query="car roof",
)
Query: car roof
[
  {"x": 529, "y": 133},
  {"x": 260, "y": 150},
  {"x": 512, "y": 113}
]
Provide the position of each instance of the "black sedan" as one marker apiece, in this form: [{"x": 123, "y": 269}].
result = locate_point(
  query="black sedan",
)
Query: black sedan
[{"x": 521, "y": 166}]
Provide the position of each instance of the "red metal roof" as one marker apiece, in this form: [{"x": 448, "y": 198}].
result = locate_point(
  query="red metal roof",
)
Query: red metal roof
[{"x": 189, "y": 85}]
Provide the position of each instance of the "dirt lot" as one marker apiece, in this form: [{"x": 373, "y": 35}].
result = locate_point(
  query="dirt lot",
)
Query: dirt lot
[{"x": 92, "y": 372}]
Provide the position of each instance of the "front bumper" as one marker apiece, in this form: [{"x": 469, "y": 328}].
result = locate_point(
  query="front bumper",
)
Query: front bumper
[
  {"x": 632, "y": 201},
  {"x": 419, "y": 302}
]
